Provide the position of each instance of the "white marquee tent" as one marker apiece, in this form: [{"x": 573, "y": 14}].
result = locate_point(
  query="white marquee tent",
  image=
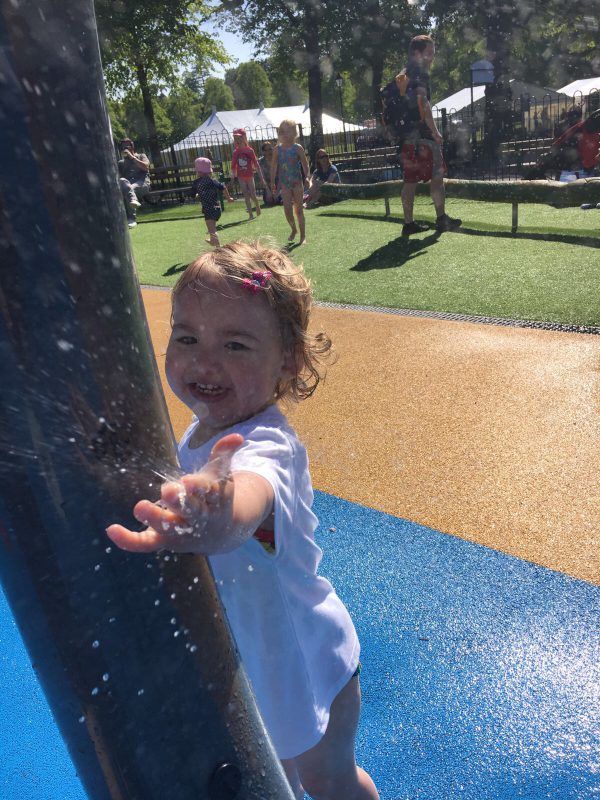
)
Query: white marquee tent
[
  {"x": 259, "y": 123},
  {"x": 581, "y": 87},
  {"x": 462, "y": 99}
]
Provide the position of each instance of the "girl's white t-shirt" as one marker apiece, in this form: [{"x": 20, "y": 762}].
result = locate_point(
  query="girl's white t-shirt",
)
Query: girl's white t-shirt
[{"x": 295, "y": 636}]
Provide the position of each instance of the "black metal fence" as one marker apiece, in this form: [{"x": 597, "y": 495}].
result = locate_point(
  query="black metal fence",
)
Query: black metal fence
[
  {"x": 218, "y": 146},
  {"x": 523, "y": 130}
]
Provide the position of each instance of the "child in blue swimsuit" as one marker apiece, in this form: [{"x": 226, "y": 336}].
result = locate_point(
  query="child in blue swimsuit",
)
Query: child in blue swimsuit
[{"x": 291, "y": 167}]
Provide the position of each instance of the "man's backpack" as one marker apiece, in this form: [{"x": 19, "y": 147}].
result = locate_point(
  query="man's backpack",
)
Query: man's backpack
[{"x": 401, "y": 112}]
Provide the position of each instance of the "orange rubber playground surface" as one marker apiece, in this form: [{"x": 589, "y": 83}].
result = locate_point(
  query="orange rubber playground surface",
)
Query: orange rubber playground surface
[
  {"x": 484, "y": 432},
  {"x": 455, "y": 468}
]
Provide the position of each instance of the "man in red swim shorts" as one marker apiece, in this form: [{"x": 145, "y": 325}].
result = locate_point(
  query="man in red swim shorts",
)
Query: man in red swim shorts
[{"x": 421, "y": 153}]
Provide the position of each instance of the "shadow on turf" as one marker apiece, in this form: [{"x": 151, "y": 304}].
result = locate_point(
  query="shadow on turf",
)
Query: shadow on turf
[
  {"x": 174, "y": 269},
  {"x": 563, "y": 238},
  {"x": 396, "y": 253},
  {"x": 185, "y": 219}
]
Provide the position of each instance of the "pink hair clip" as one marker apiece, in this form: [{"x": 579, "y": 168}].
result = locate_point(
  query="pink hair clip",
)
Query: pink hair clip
[{"x": 259, "y": 280}]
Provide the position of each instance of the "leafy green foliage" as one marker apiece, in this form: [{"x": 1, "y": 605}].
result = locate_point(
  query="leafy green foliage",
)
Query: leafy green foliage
[
  {"x": 161, "y": 35},
  {"x": 144, "y": 45},
  {"x": 127, "y": 118},
  {"x": 217, "y": 94},
  {"x": 250, "y": 85}
]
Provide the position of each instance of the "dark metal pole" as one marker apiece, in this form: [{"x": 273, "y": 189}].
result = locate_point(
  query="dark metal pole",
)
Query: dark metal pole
[
  {"x": 473, "y": 138},
  {"x": 133, "y": 653}
]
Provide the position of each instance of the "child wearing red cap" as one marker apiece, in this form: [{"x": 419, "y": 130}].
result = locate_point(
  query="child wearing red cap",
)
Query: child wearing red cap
[
  {"x": 243, "y": 165},
  {"x": 207, "y": 189}
]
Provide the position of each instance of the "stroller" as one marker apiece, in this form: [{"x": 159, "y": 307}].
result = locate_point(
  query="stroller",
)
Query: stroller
[{"x": 576, "y": 150}]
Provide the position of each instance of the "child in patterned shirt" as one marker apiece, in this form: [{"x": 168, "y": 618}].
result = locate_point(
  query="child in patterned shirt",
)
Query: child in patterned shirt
[{"x": 207, "y": 189}]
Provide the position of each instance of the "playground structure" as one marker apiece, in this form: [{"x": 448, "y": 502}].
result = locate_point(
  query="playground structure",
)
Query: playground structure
[{"x": 553, "y": 193}]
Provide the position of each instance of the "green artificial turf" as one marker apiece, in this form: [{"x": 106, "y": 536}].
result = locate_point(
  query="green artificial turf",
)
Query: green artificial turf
[{"x": 549, "y": 270}]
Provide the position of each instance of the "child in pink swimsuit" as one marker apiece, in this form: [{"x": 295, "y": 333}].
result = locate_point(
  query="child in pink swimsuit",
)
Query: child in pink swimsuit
[{"x": 289, "y": 163}]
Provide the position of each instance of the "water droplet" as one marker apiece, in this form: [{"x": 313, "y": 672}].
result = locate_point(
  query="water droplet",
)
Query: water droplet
[
  {"x": 157, "y": 602},
  {"x": 95, "y": 691},
  {"x": 95, "y": 644},
  {"x": 108, "y": 550},
  {"x": 97, "y": 567},
  {"x": 81, "y": 719},
  {"x": 140, "y": 692},
  {"x": 173, "y": 596},
  {"x": 173, "y": 621},
  {"x": 105, "y": 677},
  {"x": 63, "y": 345}
]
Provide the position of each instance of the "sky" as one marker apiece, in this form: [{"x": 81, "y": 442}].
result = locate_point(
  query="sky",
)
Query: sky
[{"x": 240, "y": 51}]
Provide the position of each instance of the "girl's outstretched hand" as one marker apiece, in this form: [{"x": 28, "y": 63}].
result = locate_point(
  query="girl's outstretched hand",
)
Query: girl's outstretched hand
[{"x": 190, "y": 511}]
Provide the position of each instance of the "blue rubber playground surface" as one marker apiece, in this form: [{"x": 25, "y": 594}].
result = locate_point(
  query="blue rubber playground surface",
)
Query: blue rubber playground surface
[{"x": 480, "y": 671}]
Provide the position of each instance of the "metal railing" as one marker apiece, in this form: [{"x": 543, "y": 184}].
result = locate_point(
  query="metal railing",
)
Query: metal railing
[{"x": 526, "y": 127}]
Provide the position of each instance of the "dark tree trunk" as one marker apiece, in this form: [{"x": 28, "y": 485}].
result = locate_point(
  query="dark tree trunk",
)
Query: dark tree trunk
[
  {"x": 376, "y": 80},
  {"x": 315, "y": 98},
  {"x": 498, "y": 109},
  {"x": 149, "y": 114}
]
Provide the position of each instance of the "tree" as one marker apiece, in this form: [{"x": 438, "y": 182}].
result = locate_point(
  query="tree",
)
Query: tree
[
  {"x": 305, "y": 23},
  {"x": 127, "y": 119},
  {"x": 218, "y": 95},
  {"x": 570, "y": 39},
  {"x": 373, "y": 34},
  {"x": 184, "y": 110},
  {"x": 250, "y": 85},
  {"x": 289, "y": 83},
  {"x": 144, "y": 45}
]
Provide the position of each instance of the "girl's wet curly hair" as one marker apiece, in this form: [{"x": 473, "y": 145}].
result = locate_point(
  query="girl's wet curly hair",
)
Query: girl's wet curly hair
[{"x": 288, "y": 292}]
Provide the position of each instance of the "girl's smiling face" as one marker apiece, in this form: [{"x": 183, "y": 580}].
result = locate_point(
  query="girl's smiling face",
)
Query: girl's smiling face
[{"x": 225, "y": 356}]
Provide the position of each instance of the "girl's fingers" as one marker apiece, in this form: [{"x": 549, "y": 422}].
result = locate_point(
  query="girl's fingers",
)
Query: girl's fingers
[
  {"x": 162, "y": 520},
  {"x": 145, "y": 542}
]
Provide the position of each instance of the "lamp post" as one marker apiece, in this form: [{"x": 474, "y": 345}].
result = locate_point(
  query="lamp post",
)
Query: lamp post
[{"x": 339, "y": 82}]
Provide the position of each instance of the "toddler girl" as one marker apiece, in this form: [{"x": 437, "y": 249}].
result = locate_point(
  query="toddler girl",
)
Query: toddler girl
[
  {"x": 290, "y": 165},
  {"x": 239, "y": 343},
  {"x": 208, "y": 190},
  {"x": 243, "y": 165}
]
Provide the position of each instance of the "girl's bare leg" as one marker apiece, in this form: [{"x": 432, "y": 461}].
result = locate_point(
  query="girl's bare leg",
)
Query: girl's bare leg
[
  {"x": 211, "y": 225},
  {"x": 254, "y": 198},
  {"x": 328, "y": 770},
  {"x": 297, "y": 195},
  {"x": 288, "y": 210},
  {"x": 246, "y": 192}
]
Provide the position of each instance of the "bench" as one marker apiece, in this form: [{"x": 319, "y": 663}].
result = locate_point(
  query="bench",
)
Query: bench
[
  {"x": 368, "y": 167},
  {"x": 173, "y": 183},
  {"x": 554, "y": 193}
]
